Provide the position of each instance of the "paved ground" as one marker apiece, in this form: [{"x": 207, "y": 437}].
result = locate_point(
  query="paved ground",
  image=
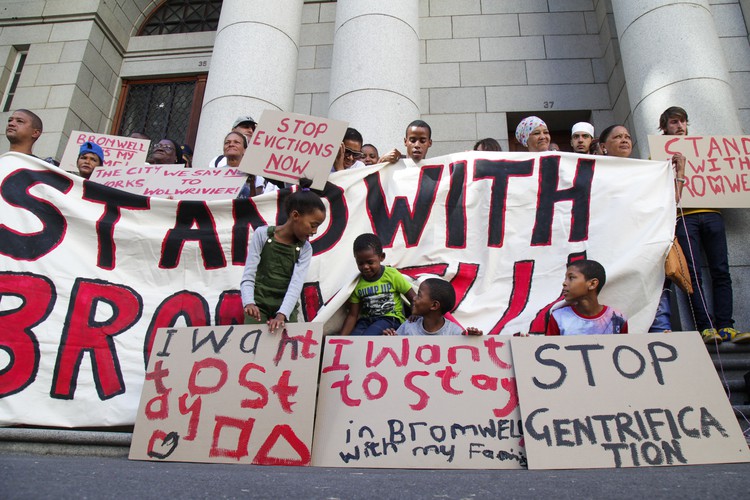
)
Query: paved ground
[{"x": 62, "y": 477}]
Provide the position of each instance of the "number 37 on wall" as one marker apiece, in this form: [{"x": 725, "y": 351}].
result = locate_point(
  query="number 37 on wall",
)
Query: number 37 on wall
[{"x": 549, "y": 104}]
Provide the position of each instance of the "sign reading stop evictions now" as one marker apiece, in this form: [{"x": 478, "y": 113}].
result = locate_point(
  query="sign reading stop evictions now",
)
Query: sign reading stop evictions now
[{"x": 288, "y": 147}]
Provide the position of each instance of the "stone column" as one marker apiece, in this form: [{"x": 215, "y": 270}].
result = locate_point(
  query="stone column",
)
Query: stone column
[
  {"x": 375, "y": 68},
  {"x": 253, "y": 67},
  {"x": 672, "y": 56}
]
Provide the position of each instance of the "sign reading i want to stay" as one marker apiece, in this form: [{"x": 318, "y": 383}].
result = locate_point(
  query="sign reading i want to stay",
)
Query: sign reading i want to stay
[{"x": 232, "y": 394}]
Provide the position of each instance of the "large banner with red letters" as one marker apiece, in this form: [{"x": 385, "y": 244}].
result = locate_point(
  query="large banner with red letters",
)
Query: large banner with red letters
[{"x": 89, "y": 273}]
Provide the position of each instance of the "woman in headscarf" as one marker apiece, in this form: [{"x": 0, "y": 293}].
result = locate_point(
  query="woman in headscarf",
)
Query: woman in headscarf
[{"x": 533, "y": 134}]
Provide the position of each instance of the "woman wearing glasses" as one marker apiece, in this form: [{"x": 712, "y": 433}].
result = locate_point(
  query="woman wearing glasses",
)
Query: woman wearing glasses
[{"x": 164, "y": 152}]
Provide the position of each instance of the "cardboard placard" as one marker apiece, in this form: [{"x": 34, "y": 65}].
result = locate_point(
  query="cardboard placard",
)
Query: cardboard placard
[
  {"x": 230, "y": 394},
  {"x": 174, "y": 181},
  {"x": 717, "y": 168},
  {"x": 418, "y": 402},
  {"x": 290, "y": 146},
  {"x": 118, "y": 151},
  {"x": 602, "y": 401}
]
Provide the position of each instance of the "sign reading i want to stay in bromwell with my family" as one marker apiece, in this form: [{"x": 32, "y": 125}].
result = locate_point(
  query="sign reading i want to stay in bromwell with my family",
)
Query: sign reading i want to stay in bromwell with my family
[
  {"x": 418, "y": 402},
  {"x": 118, "y": 151},
  {"x": 717, "y": 168},
  {"x": 233, "y": 394},
  {"x": 289, "y": 147},
  {"x": 599, "y": 401}
]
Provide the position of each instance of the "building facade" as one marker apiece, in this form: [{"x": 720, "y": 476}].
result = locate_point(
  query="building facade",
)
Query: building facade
[{"x": 185, "y": 69}]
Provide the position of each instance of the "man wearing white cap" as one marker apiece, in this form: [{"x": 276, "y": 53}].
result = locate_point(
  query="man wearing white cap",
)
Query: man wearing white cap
[{"x": 581, "y": 136}]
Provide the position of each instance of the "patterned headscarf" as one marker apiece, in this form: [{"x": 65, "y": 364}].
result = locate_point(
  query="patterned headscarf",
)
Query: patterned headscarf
[{"x": 525, "y": 128}]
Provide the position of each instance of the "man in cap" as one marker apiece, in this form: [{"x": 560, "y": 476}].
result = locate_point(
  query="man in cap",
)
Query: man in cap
[
  {"x": 90, "y": 156},
  {"x": 581, "y": 136},
  {"x": 22, "y": 131}
]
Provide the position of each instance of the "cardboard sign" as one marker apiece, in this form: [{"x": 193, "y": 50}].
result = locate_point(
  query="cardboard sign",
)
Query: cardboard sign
[
  {"x": 600, "y": 401},
  {"x": 118, "y": 151},
  {"x": 232, "y": 394},
  {"x": 289, "y": 146},
  {"x": 717, "y": 168},
  {"x": 174, "y": 181},
  {"x": 418, "y": 402}
]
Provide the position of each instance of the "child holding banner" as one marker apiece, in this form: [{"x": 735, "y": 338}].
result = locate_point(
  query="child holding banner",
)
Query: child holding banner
[
  {"x": 375, "y": 304},
  {"x": 278, "y": 259},
  {"x": 582, "y": 314},
  {"x": 435, "y": 299}
]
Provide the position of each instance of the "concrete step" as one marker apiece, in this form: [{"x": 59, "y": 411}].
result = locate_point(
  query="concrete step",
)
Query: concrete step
[{"x": 38, "y": 441}]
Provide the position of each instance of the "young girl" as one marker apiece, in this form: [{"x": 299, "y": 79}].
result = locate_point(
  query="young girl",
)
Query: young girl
[{"x": 278, "y": 259}]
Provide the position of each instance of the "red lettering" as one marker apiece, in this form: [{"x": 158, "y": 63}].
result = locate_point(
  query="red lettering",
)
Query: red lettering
[
  {"x": 83, "y": 333},
  {"x": 257, "y": 387},
  {"x": 409, "y": 384},
  {"x": 37, "y": 294},
  {"x": 195, "y": 387}
]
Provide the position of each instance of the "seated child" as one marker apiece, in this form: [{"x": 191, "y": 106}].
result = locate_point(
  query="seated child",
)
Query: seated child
[
  {"x": 376, "y": 303},
  {"x": 277, "y": 261},
  {"x": 434, "y": 299},
  {"x": 583, "y": 314}
]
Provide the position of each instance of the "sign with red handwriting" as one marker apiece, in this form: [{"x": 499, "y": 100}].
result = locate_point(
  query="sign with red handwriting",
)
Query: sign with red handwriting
[
  {"x": 418, "y": 402},
  {"x": 289, "y": 146},
  {"x": 174, "y": 181},
  {"x": 717, "y": 168},
  {"x": 118, "y": 151},
  {"x": 601, "y": 401},
  {"x": 231, "y": 394}
]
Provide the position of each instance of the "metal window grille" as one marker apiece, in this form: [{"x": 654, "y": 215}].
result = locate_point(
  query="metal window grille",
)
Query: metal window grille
[
  {"x": 159, "y": 110},
  {"x": 183, "y": 16},
  {"x": 15, "y": 77}
]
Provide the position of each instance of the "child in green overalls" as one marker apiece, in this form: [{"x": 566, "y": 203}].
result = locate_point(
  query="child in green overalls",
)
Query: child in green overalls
[{"x": 277, "y": 261}]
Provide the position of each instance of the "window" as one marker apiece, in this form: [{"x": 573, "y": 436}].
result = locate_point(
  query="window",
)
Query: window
[
  {"x": 183, "y": 16},
  {"x": 164, "y": 108},
  {"x": 15, "y": 76}
]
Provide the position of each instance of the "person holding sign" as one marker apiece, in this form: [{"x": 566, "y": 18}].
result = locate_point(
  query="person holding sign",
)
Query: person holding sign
[
  {"x": 581, "y": 313},
  {"x": 532, "y": 133},
  {"x": 375, "y": 304},
  {"x": 235, "y": 145},
  {"x": 704, "y": 227},
  {"x": 278, "y": 259},
  {"x": 435, "y": 298},
  {"x": 616, "y": 141},
  {"x": 90, "y": 156}
]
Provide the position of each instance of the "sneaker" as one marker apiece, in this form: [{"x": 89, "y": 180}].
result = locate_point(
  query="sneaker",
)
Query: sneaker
[
  {"x": 742, "y": 338},
  {"x": 728, "y": 334},
  {"x": 710, "y": 335}
]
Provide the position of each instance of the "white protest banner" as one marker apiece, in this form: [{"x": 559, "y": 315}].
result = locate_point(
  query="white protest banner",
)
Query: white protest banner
[
  {"x": 418, "y": 402},
  {"x": 91, "y": 272},
  {"x": 289, "y": 146},
  {"x": 599, "y": 401},
  {"x": 118, "y": 151},
  {"x": 174, "y": 181},
  {"x": 717, "y": 168},
  {"x": 231, "y": 394}
]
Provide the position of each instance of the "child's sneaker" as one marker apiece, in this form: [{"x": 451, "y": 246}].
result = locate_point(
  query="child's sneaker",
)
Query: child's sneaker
[
  {"x": 710, "y": 335},
  {"x": 727, "y": 334},
  {"x": 742, "y": 338}
]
